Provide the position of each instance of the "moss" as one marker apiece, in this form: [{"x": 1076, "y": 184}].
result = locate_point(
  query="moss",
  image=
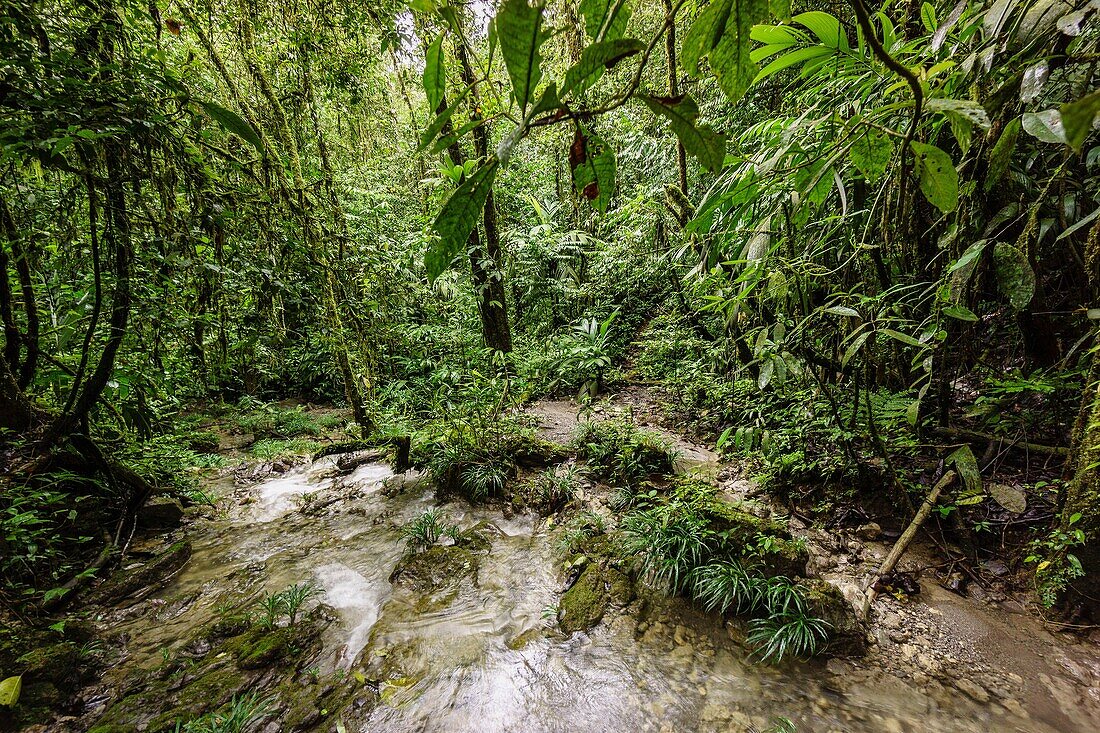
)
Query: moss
[
  {"x": 260, "y": 648},
  {"x": 438, "y": 568},
  {"x": 520, "y": 641},
  {"x": 847, "y": 634},
  {"x": 128, "y": 582},
  {"x": 53, "y": 663},
  {"x": 583, "y": 605},
  {"x": 531, "y": 451}
]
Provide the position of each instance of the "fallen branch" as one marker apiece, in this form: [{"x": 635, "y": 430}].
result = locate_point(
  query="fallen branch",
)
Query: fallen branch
[
  {"x": 974, "y": 435},
  {"x": 902, "y": 544}
]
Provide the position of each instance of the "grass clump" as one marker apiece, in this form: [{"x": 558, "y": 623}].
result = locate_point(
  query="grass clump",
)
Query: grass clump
[
  {"x": 236, "y": 717},
  {"x": 616, "y": 450},
  {"x": 286, "y": 603},
  {"x": 423, "y": 532}
]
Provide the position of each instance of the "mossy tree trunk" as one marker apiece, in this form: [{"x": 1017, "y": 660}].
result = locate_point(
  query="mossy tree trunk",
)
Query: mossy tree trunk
[{"x": 1082, "y": 492}]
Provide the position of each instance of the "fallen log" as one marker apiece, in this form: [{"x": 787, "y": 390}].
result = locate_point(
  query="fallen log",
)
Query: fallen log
[{"x": 902, "y": 544}]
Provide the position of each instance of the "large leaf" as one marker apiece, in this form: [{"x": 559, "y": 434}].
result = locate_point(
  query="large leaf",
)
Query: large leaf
[
  {"x": 1001, "y": 155},
  {"x": 605, "y": 20},
  {"x": 1078, "y": 117},
  {"x": 871, "y": 153},
  {"x": 1046, "y": 126},
  {"x": 521, "y": 33},
  {"x": 594, "y": 60},
  {"x": 593, "y": 164},
  {"x": 939, "y": 181},
  {"x": 721, "y": 34},
  {"x": 440, "y": 121},
  {"x": 1015, "y": 278},
  {"x": 457, "y": 219},
  {"x": 699, "y": 140},
  {"x": 1010, "y": 497},
  {"x": 233, "y": 123},
  {"x": 9, "y": 691},
  {"x": 435, "y": 79},
  {"x": 967, "y": 465},
  {"x": 972, "y": 111}
]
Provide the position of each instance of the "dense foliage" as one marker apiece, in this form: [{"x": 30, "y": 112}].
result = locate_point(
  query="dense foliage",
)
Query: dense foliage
[{"x": 853, "y": 242}]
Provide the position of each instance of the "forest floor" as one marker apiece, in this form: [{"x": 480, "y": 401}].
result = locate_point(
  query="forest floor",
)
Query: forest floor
[
  {"x": 989, "y": 640},
  {"x": 979, "y": 659}
]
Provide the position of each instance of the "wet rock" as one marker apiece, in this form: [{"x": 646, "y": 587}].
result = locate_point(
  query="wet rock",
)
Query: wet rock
[
  {"x": 142, "y": 577},
  {"x": 869, "y": 532},
  {"x": 847, "y": 634},
  {"x": 160, "y": 514},
  {"x": 996, "y": 567},
  {"x": 956, "y": 583},
  {"x": 583, "y": 605},
  {"x": 436, "y": 568}
]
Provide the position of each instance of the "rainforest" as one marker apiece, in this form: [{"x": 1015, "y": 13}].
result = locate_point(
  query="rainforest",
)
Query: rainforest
[{"x": 550, "y": 365}]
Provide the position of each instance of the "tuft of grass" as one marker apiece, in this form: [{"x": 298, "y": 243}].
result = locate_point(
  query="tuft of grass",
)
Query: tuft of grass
[
  {"x": 424, "y": 531},
  {"x": 270, "y": 449},
  {"x": 616, "y": 450},
  {"x": 241, "y": 712},
  {"x": 288, "y": 603}
]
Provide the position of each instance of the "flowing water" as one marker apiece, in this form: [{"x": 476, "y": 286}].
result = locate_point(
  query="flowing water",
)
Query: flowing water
[{"x": 487, "y": 659}]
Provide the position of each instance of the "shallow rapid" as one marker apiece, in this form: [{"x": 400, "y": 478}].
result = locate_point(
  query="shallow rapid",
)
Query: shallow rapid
[{"x": 488, "y": 657}]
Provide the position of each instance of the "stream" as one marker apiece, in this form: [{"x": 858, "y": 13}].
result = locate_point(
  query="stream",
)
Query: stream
[{"x": 488, "y": 659}]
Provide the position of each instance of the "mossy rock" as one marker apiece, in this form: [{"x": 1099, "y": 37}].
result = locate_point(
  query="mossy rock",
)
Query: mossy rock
[
  {"x": 530, "y": 451},
  {"x": 584, "y": 605},
  {"x": 153, "y": 573},
  {"x": 478, "y": 538},
  {"x": 203, "y": 441},
  {"x": 437, "y": 568},
  {"x": 847, "y": 634},
  {"x": 311, "y": 706},
  {"x": 259, "y": 648},
  {"x": 56, "y": 663}
]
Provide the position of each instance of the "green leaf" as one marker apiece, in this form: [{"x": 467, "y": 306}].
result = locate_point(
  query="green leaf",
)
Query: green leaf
[
  {"x": 9, "y": 691},
  {"x": 959, "y": 312},
  {"x": 593, "y": 169},
  {"x": 871, "y": 153},
  {"x": 972, "y": 111},
  {"x": 605, "y": 20},
  {"x": 1010, "y": 497},
  {"x": 790, "y": 59},
  {"x": 904, "y": 338},
  {"x": 548, "y": 101},
  {"x": 699, "y": 140},
  {"x": 1078, "y": 117},
  {"x": 721, "y": 34},
  {"x": 435, "y": 75},
  {"x": 939, "y": 181},
  {"x": 1015, "y": 278},
  {"x": 842, "y": 310},
  {"x": 594, "y": 60},
  {"x": 928, "y": 17},
  {"x": 1046, "y": 126},
  {"x": 1001, "y": 155},
  {"x": 233, "y": 123},
  {"x": 457, "y": 219},
  {"x": 439, "y": 123},
  {"x": 521, "y": 34},
  {"x": 967, "y": 465},
  {"x": 823, "y": 25}
]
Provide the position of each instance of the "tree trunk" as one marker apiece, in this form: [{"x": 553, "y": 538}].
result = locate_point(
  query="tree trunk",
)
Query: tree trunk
[
  {"x": 486, "y": 265},
  {"x": 1082, "y": 493}
]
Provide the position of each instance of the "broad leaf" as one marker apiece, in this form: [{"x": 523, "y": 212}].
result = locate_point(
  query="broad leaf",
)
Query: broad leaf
[
  {"x": 435, "y": 84},
  {"x": 972, "y": 111},
  {"x": 721, "y": 34},
  {"x": 939, "y": 181},
  {"x": 457, "y": 219},
  {"x": 439, "y": 123},
  {"x": 1078, "y": 118},
  {"x": 233, "y": 123},
  {"x": 1001, "y": 155},
  {"x": 959, "y": 312},
  {"x": 594, "y": 60},
  {"x": 593, "y": 165},
  {"x": 1015, "y": 278},
  {"x": 1046, "y": 126},
  {"x": 605, "y": 20},
  {"x": 699, "y": 140},
  {"x": 521, "y": 33},
  {"x": 9, "y": 691},
  {"x": 1010, "y": 497},
  {"x": 967, "y": 465},
  {"x": 904, "y": 338},
  {"x": 871, "y": 153}
]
